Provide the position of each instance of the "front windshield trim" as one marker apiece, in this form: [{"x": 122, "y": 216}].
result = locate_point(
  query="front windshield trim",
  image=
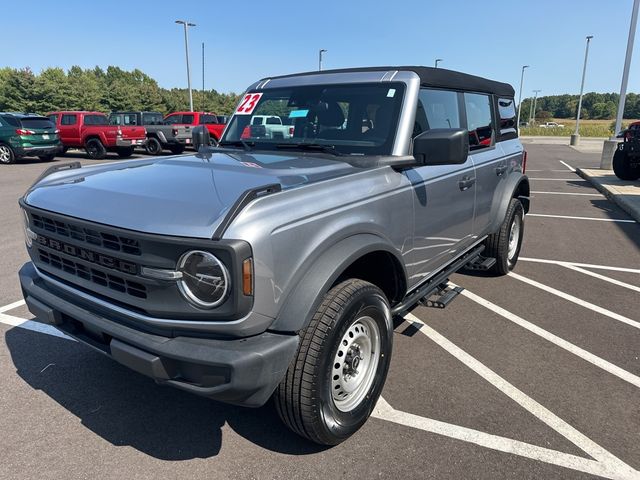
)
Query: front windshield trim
[{"x": 359, "y": 102}]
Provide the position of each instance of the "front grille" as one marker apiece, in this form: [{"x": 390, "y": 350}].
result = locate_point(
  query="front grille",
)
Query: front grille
[
  {"x": 94, "y": 275},
  {"x": 87, "y": 235}
]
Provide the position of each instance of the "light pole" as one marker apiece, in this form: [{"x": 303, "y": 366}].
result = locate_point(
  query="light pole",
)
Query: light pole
[
  {"x": 575, "y": 138},
  {"x": 610, "y": 146},
  {"x": 520, "y": 95},
  {"x": 186, "y": 25},
  {"x": 533, "y": 110},
  {"x": 320, "y": 52},
  {"x": 627, "y": 64},
  {"x": 203, "y": 96},
  {"x": 438, "y": 60}
]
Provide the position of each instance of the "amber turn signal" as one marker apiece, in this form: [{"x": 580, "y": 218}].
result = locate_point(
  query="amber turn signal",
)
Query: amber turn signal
[{"x": 247, "y": 276}]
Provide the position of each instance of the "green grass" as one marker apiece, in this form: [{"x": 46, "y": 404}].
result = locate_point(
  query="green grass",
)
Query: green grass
[{"x": 585, "y": 131}]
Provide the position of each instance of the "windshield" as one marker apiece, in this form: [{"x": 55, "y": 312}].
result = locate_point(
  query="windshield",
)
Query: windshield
[{"x": 353, "y": 119}]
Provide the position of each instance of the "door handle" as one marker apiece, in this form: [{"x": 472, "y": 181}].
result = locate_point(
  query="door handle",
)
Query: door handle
[
  {"x": 500, "y": 170},
  {"x": 466, "y": 183}
]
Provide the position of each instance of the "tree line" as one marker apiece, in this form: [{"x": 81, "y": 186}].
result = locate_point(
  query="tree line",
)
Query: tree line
[
  {"x": 21, "y": 90},
  {"x": 594, "y": 106}
]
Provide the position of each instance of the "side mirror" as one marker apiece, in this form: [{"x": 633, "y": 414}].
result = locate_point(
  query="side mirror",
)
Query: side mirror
[
  {"x": 200, "y": 137},
  {"x": 441, "y": 146}
]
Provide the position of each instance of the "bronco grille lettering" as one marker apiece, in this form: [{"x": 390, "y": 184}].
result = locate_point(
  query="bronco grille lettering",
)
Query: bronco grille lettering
[{"x": 89, "y": 256}]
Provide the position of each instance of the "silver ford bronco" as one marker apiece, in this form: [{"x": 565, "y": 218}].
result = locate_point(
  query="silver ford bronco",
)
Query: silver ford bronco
[{"x": 273, "y": 265}]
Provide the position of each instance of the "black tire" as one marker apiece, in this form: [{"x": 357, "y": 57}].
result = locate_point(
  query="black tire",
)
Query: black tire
[
  {"x": 305, "y": 399},
  {"x": 623, "y": 168},
  {"x": 6, "y": 154},
  {"x": 497, "y": 244},
  {"x": 125, "y": 152},
  {"x": 95, "y": 149},
  {"x": 176, "y": 149},
  {"x": 47, "y": 158},
  {"x": 153, "y": 146}
]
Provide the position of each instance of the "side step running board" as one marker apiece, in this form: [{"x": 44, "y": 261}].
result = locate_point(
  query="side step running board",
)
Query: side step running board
[
  {"x": 443, "y": 297},
  {"x": 433, "y": 284},
  {"x": 481, "y": 263}
]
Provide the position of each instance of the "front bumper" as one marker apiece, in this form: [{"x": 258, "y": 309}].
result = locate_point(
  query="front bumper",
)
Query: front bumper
[
  {"x": 140, "y": 142},
  {"x": 242, "y": 371}
]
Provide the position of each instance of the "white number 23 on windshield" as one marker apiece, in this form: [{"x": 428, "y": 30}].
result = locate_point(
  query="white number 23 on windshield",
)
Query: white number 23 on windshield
[{"x": 248, "y": 104}]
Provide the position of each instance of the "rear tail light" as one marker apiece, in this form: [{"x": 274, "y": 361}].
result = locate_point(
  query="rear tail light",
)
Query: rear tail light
[
  {"x": 119, "y": 133},
  {"x": 23, "y": 131},
  {"x": 57, "y": 131},
  {"x": 291, "y": 131},
  {"x": 524, "y": 161},
  {"x": 174, "y": 131}
]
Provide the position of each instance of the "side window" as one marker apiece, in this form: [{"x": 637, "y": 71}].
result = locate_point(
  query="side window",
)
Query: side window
[
  {"x": 68, "y": 120},
  {"x": 187, "y": 119},
  {"x": 115, "y": 120},
  {"x": 130, "y": 119},
  {"x": 479, "y": 120},
  {"x": 204, "y": 119},
  {"x": 54, "y": 118},
  {"x": 151, "y": 119},
  {"x": 436, "y": 109},
  {"x": 507, "y": 112},
  {"x": 172, "y": 119},
  {"x": 256, "y": 121}
]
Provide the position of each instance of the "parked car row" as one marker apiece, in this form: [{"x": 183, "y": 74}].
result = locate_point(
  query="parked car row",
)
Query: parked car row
[{"x": 32, "y": 135}]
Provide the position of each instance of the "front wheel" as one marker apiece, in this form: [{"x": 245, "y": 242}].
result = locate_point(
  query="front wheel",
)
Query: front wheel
[
  {"x": 337, "y": 374},
  {"x": 623, "y": 168},
  {"x": 6, "y": 154},
  {"x": 504, "y": 245}
]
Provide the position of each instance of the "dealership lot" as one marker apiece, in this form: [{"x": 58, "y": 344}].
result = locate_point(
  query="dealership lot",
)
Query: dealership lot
[{"x": 533, "y": 375}]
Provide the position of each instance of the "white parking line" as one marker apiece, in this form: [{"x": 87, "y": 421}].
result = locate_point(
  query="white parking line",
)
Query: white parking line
[
  {"x": 570, "y": 193},
  {"x": 571, "y": 169},
  {"x": 384, "y": 411},
  {"x": 11, "y": 306},
  {"x": 613, "y": 466},
  {"x": 549, "y": 170},
  {"x": 577, "y": 179},
  {"x": 568, "y": 346},
  {"x": 577, "y": 301},
  {"x": 603, "y": 277},
  {"x": 585, "y": 265},
  {"x": 32, "y": 325},
  {"x": 616, "y": 220}
]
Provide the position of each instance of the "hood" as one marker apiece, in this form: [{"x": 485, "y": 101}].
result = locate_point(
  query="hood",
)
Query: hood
[{"x": 184, "y": 196}]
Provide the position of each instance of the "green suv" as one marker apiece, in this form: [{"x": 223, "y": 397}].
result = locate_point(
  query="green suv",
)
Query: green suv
[{"x": 27, "y": 135}]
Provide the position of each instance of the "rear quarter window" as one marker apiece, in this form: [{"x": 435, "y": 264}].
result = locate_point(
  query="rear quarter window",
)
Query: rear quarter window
[
  {"x": 11, "y": 121},
  {"x": 507, "y": 113}
]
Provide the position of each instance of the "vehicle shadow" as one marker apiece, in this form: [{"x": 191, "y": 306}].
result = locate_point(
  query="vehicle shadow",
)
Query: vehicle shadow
[{"x": 128, "y": 409}]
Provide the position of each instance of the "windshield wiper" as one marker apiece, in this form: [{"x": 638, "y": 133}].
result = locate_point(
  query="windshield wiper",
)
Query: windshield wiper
[
  {"x": 330, "y": 149},
  {"x": 238, "y": 143}
]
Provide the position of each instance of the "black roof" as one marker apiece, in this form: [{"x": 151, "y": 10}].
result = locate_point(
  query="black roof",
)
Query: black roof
[{"x": 434, "y": 77}]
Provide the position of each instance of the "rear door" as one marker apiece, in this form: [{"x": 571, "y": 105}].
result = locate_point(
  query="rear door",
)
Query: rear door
[
  {"x": 69, "y": 129},
  {"x": 488, "y": 158},
  {"x": 444, "y": 195}
]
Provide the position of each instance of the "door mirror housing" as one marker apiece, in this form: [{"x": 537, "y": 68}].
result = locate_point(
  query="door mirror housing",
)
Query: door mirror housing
[{"x": 441, "y": 146}]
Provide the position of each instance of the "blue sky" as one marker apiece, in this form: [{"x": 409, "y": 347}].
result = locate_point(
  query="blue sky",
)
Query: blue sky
[{"x": 251, "y": 39}]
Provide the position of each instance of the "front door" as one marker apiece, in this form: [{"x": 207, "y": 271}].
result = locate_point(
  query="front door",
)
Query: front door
[{"x": 444, "y": 195}]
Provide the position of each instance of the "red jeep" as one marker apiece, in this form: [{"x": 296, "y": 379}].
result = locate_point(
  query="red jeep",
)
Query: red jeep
[
  {"x": 210, "y": 120},
  {"x": 91, "y": 131}
]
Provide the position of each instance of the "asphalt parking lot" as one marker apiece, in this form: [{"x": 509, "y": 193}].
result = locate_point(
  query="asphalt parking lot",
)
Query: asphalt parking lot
[{"x": 533, "y": 375}]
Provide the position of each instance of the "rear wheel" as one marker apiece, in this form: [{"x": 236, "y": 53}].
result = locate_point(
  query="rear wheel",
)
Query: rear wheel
[
  {"x": 48, "y": 157},
  {"x": 95, "y": 149},
  {"x": 504, "y": 245},
  {"x": 153, "y": 147},
  {"x": 124, "y": 152},
  {"x": 6, "y": 154},
  {"x": 176, "y": 149},
  {"x": 337, "y": 374},
  {"x": 623, "y": 168}
]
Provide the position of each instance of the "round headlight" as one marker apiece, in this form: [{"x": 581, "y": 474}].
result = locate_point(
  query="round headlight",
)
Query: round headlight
[{"x": 205, "y": 280}]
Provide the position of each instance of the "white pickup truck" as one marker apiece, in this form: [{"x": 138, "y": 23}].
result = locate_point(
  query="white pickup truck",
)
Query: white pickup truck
[
  {"x": 270, "y": 126},
  {"x": 551, "y": 125}
]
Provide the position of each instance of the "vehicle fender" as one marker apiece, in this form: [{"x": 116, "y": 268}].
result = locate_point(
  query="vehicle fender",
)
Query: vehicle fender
[
  {"x": 515, "y": 182},
  {"x": 161, "y": 137},
  {"x": 303, "y": 300}
]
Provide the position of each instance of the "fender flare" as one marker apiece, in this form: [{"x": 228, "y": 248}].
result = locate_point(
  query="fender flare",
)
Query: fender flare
[
  {"x": 305, "y": 298},
  {"x": 515, "y": 183}
]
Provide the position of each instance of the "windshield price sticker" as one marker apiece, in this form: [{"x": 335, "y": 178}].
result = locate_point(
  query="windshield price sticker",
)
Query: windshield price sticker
[{"x": 248, "y": 104}]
